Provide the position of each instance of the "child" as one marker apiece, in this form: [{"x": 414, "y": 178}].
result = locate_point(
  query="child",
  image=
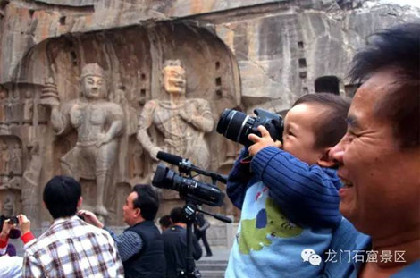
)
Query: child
[{"x": 288, "y": 197}]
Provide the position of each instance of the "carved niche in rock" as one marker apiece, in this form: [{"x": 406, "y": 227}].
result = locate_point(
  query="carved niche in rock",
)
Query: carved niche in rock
[{"x": 133, "y": 59}]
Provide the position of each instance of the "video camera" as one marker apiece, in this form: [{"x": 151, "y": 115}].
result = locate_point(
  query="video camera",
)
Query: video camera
[
  {"x": 236, "y": 125},
  {"x": 196, "y": 191}
]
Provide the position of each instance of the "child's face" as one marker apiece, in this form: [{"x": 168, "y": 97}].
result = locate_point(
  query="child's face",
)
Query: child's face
[{"x": 299, "y": 132}]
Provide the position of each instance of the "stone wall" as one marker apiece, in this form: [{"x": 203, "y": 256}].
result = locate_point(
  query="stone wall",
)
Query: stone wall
[{"x": 237, "y": 54}]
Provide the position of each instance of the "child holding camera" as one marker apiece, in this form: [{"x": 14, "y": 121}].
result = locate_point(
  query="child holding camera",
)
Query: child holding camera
[{"x": 288, "y": 193}]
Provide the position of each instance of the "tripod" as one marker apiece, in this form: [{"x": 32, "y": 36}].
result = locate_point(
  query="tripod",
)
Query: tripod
[{"x": 190, "y": 212}]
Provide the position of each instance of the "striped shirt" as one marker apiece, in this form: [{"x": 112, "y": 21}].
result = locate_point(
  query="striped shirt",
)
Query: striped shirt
[{"x": 72, "y": 248}]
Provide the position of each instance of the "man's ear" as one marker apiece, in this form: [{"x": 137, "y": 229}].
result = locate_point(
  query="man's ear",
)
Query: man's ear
[
  {"x": 79, "y": 203},
  {"x": 325, "y": 160},
  {"x": 138, "y": 212}
]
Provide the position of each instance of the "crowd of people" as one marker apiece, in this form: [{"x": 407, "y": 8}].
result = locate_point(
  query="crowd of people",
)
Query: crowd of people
[
  {"x": 337, "y": 197},
  {"x": 77, "y": 244}
]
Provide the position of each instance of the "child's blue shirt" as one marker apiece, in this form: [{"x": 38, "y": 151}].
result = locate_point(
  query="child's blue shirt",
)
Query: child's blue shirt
[{"x": 288, "y": 211}]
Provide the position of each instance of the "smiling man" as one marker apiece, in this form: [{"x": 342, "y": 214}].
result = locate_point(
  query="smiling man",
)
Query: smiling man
[{"x": 379, "y": 157}]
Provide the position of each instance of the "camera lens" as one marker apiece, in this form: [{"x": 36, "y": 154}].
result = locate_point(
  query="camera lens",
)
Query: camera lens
[{"x": 235, "y": 125}]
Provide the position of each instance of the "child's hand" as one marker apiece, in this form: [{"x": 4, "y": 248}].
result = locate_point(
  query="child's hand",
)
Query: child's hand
[{"x": 261, "y": 142}]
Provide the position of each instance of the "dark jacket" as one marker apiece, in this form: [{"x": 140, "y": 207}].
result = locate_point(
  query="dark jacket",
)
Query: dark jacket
[
  {"x": 150, "y": 261},
  {"x": 175, "y": 239}
]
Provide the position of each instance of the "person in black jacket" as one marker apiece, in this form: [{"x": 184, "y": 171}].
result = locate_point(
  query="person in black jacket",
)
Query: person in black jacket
[
  {"x": 165, "y": 222},
  {"x": 200, "y": 229},
  {"x": 175, "y": 242},
  {"x": 140, "y": 245}
]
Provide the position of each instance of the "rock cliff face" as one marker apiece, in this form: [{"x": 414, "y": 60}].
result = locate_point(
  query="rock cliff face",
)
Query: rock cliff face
[{"x": 237, "y": 54}]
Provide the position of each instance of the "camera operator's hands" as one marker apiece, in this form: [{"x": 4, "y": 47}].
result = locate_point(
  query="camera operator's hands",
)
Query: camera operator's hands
[
  {"x": 91, "y": 218},
  {"x": 24, "y": 223},
  {"x": 261, "y": 142},
  {"x": 7, "y": 227}
]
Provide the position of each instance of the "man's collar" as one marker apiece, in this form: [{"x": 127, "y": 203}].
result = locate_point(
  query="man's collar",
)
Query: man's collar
[{"x": 66, "y": 218}]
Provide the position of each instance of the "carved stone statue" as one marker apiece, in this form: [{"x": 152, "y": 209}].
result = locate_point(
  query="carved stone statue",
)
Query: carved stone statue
[
  {"x": 99, "y": 123},
  {"x": 10, "y": 180},
  {"x": 5, "y": 158},
  {"x": 182, "y": 121},
  {"x": 30, "y": 182},
  {"x": 16, "y": 161}
]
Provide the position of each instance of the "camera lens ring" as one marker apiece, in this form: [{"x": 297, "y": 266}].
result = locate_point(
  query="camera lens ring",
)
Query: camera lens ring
[
  {"x": 242, "y": 127},
  {"x": 230, "y": 117}
]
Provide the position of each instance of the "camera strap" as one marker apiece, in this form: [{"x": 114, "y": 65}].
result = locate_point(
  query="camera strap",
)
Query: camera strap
[{"x": 246, "y": 160}]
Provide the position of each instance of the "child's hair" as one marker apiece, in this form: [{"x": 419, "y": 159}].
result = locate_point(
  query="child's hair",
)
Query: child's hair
[{"x": 333, "y": 125}]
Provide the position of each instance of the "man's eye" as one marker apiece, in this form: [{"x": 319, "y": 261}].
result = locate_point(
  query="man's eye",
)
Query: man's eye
[{"x": 350, "y": 136}]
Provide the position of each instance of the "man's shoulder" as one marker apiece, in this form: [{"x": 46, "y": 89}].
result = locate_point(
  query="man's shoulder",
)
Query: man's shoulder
[
  {"x": 143, "y": 227},
  {"x": 95, "y": 231},
  {"x": 175, "y": 229},
  {"x": 66, "y": 230},
  {"x": 171, "y": 235},
  {"x": 40, "y": 242}
]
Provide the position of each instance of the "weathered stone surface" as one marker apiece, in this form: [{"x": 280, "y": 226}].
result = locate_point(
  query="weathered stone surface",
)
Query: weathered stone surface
[
  {"x": 238, "y": 54},
  {"x": 76, "y": 3}
]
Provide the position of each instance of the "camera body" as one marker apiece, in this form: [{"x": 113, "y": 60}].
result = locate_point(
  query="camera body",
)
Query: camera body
[
  {"x": 14, "y": 219},
  {"x": 193, "y": 190},
  {"x": 236, "y": 125},
  {"x": 14, "y": 233}
]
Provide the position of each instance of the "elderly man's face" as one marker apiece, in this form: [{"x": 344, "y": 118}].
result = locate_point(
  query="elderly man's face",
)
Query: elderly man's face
[
  {"x": 174, "y": 81},
  {"x": 381, "y": 182},
  {"x": 93, "y": 86}
]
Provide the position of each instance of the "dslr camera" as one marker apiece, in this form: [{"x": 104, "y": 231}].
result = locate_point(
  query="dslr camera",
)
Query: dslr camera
[
  {"x": 236, "y": 125},
  {"x": 14, "y": 219},
  {"x": 14, "y": 233}
]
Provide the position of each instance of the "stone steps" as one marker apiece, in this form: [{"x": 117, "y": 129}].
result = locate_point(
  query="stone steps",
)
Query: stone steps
[
  {"x": 212, "y": 274},
  {"x": 212, "y": 268}
]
